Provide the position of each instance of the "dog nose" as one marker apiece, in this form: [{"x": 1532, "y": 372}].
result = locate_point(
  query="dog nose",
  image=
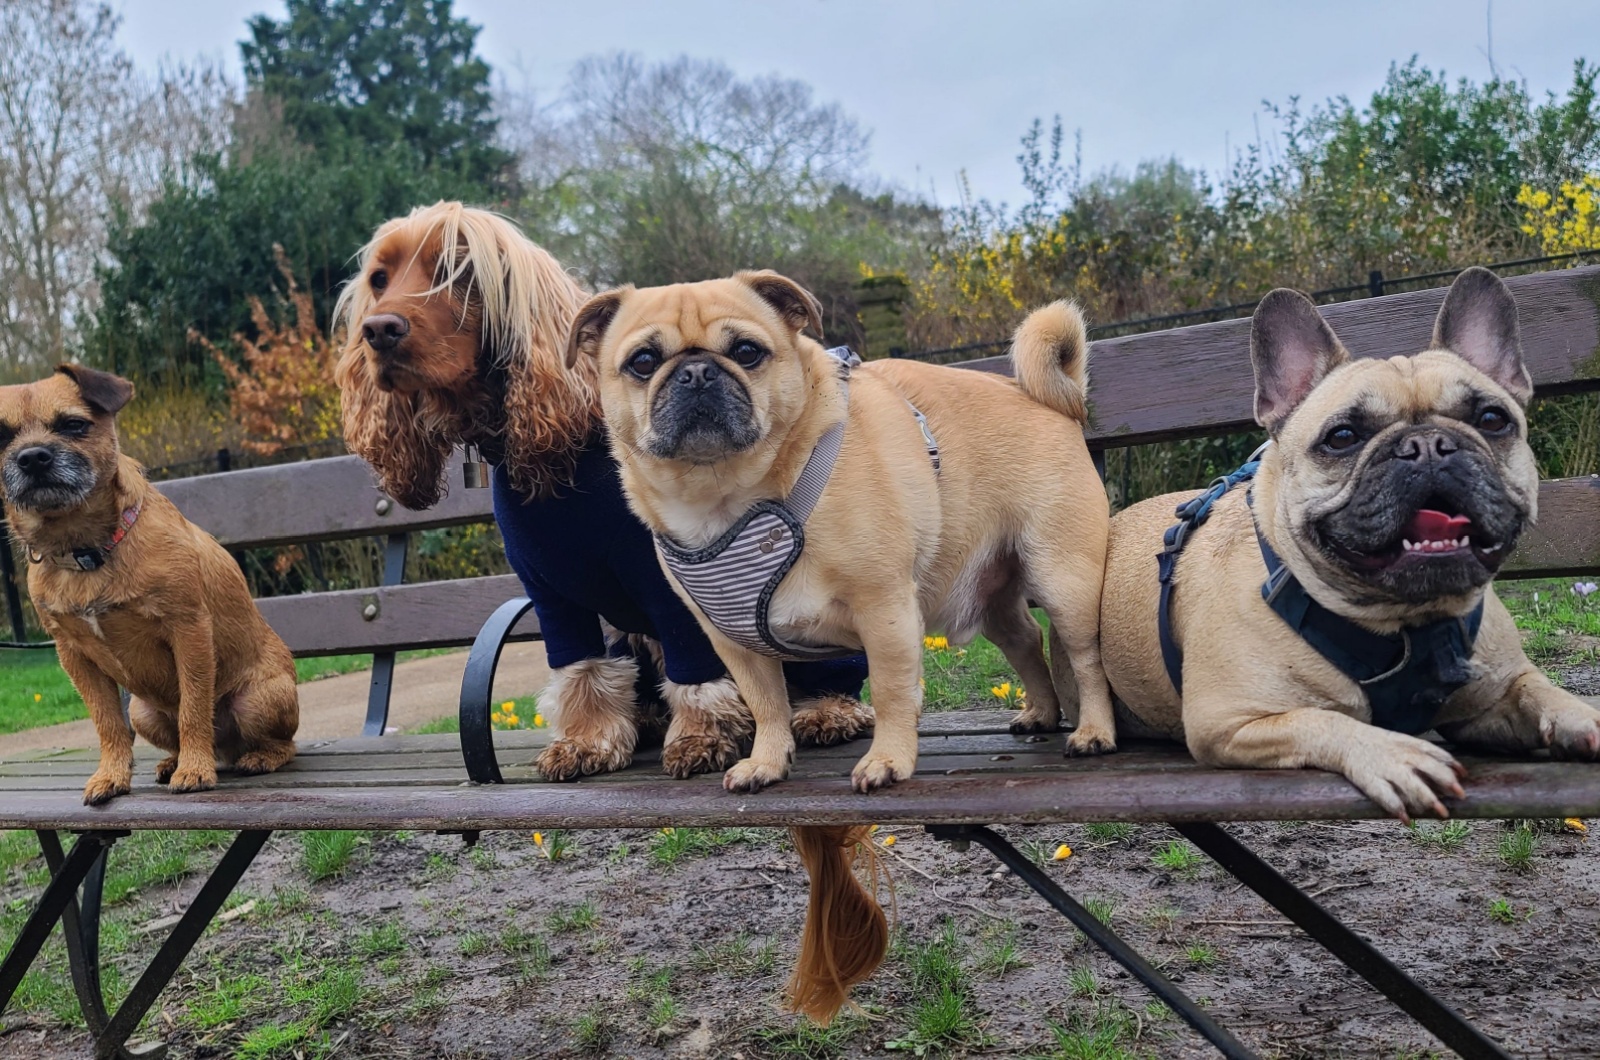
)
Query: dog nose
[
  {"x": 697, "y": 375},
  {"x": 383, "y": 331},
  {"x": 36, "y": 459},
  {"x": 1427, "y": 445}
]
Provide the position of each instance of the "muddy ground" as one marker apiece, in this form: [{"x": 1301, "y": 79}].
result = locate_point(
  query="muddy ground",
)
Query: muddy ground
[{"x": 713, "y": 933}]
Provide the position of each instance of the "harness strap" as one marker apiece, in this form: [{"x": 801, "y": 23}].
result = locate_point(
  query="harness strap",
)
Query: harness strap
[{"x": 819, "y": 467}]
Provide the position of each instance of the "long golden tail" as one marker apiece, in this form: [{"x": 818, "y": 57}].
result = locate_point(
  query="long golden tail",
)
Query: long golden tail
[
  {"x": 846, "y": 934},
  {"x": 1050, "y": 354}
]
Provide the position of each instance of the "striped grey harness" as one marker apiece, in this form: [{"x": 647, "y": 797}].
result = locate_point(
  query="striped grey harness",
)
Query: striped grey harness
[{"x": 733, "y": 579}]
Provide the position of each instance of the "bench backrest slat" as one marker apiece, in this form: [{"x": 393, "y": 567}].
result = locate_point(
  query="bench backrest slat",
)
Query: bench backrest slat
[
  {"x": 425, "y": 615},
  {"x": 1196, "y": 381}
]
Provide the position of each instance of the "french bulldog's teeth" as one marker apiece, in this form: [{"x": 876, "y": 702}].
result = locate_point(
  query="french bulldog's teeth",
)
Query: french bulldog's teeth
[
  {"x": 1492, "y": 548},
  {"x": 1408, "y": 545}
]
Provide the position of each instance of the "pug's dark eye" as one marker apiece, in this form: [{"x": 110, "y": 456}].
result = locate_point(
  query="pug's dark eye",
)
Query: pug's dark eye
[
  {"x": 72, "y": 427},
  {"x": 747, "y": 354},
  {"x": 378, "y": 280},
  {"x": 644, "y": 363},
  {"x": 1494, "y": 421},
  {"x": 1341, "y": 438}
]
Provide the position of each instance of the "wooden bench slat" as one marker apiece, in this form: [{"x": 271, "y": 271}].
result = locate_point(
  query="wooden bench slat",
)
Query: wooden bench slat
[
  {"x": 421, "y": 615},
  {"x": 1194, "y": 381},
  {"x": 1498, "y": 789},
  {"x": 1566, "y": 539},
  {"x": 315, "y": 500}
]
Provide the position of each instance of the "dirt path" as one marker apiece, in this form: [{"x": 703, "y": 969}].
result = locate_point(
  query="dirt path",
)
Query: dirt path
[{"x": 424, "y": 689}]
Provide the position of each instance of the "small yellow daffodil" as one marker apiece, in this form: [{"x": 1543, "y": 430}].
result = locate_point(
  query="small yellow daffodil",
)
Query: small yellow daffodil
[
  {"x": 538, "y": 839},
  {"x": 1063, "y": 852}
]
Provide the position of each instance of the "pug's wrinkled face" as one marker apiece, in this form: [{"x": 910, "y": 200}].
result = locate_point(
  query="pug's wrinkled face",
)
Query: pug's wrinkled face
[
  {"x": 699, "y": 373},
  {"x": 1408, "y": 480}
]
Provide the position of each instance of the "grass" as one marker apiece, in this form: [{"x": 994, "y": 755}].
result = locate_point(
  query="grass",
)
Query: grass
[
  {"x": 327, "y": 854},
  {"x": 943, "y": 1014},
  {"x": 805, "y": 1040},
  {"x": 594, "y": 1029},
  {"x": 1551, "y": 613},
  {"x": 36, "y": 692},
  {"x": 1000, "y": 953},
  {"x": 1446, "y": 836},
  {"x": 671, "y": 845},
  {"x": 961, "y": 678},
  {"x": 1178, "y": 857},
  {"x": 1107, "y": 1033},
  {"x": 1200, "y": 955},
  {"x": 1518, "y": 846},
  {"x": 381, "y": 941},
  {"x": 573, "y": 919},
  {"x": 739, "y": 957},
  {"x": 1102, "y": 909},
  {"x": 1110, "y": 831},
  {"x": 1082, "y": 982},
  {"x": 1501, "y": 911}
]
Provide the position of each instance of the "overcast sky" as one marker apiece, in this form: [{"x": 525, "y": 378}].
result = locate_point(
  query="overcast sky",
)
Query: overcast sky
[{"x": 947, "y": 86}]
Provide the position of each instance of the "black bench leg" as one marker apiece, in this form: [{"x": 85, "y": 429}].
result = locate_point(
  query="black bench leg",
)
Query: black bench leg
[
  {"x": 206, "y": 905},
  {"x": 477, "y": 691},
  {"x": 58, "y": 895},
  {"x": 1100, "y": 935},
  {"x": 1356, "y": 953}
]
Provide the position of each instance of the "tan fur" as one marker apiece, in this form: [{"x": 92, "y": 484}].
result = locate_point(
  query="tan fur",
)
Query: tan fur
[
  {"x": 480, "y": 299},
  {"x": 169, "y": 617},
  {"x": 1255, "y": 693},
  {"x": 591, "y": 707},
  {"x": 824, "y": 721},
  {"x": 846, "y": 934},
  {"x": 708, "y": 722},
  {"x": 892, "y": 550}
]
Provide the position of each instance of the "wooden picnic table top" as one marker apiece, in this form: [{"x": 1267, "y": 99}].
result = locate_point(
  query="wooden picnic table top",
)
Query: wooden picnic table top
[{"x": 971, "y": 771}]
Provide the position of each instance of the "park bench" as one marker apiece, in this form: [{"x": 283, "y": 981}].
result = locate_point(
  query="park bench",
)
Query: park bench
[{"x": 972, "y": 773}]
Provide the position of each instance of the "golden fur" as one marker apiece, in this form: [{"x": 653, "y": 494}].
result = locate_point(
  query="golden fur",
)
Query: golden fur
[
  {"x": 168, "y": 617},
  {"x": 1016, "y": 511},
  {"x": 484, "y": 361},
  {"x": 1257, "y": 695}
]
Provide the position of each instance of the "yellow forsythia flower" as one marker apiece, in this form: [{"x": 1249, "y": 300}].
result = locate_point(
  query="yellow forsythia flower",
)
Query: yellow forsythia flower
[{"x": 1063, "y": 852}]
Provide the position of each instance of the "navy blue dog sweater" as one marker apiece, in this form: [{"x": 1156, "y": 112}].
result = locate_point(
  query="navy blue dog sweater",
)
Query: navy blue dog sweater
[{"x": 581, "y": 555}]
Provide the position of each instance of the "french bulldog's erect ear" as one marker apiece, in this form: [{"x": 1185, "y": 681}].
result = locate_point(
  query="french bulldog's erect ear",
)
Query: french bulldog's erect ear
[
  {"x": 105, "y": 393},
  {"x": 797, "y": 306},
  {"x": 1292, "y": 348},
  {"x": 1478, "y": 323},
  {"x": 589, "y": 326}
]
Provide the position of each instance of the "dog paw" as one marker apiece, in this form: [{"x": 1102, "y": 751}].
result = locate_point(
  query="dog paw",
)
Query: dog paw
[
  {"x": 1089, "y": 740},
  {"x": 165, "y": 768},
  {"x": 1032, "y": 721},
  {"x": 697, "y": 753},
  {"x": 1573, "y": 733},
  {"x": 878, "y": 770},
  {"x": 254, "y": 763},
  {"x": 569, "y": 760},
  {"x": 104, "y": 786},
  {"x": 1405, "y": 776},
  {"x": 830, "y": 720},
  {"x": 189, "y": 778},
  {"x": 749, "y": 775}
]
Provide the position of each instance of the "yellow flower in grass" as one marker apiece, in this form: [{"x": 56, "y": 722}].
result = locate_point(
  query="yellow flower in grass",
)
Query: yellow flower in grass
[
  {"x": 513, "y": 720},
  {"x": 538, "y": 721},
  {"x": 1002, "y": 690},
  {"x": 509, "y": 706},
  {"x": 936, "y": 643},
  {"x": 37, "y": 697},
  {"x": 1575, "y": 825},
  {"x": 497, "y": 717},
  {"x": 538, "y": 840},
  {"x": 1063, "y": 852}
]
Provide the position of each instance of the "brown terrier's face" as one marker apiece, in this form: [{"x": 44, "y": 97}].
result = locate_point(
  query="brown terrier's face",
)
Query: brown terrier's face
[
  {"x": 58, "y": 438},
  {"x": 417, "y": 334},
  {"x": 700, "y": 372}
]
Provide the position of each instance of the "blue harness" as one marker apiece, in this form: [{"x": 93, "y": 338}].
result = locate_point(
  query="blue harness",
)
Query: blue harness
[{"x": 1406, "y": 676}]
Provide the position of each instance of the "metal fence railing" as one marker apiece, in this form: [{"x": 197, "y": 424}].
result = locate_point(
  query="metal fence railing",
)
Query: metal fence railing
[{"x": 1376, "y": 286}]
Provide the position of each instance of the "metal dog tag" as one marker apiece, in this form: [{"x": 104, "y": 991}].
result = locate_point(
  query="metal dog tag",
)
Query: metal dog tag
[{"x": 474, "y": 471}]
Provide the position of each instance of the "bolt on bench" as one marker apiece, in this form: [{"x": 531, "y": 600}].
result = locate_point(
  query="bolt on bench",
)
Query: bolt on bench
[{"x": 972, "y": 772}]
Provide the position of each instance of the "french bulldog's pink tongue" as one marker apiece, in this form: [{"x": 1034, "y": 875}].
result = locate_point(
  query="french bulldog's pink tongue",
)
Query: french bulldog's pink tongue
[{"x": 1429, "y": 525}]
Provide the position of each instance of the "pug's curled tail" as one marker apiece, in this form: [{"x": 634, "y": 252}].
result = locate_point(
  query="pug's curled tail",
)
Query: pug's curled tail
[
  {"x": 846, "y": 934},
  {"x": 1050, "y": 353}
]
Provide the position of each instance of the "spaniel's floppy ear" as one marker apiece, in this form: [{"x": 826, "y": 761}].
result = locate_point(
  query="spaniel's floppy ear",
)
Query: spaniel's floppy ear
[
  {"x": 103, "y": 391},
  {"x": 797, "y": 306},
  {"x": 390, "y": 434},
  {"x": 589, "y": 326}
]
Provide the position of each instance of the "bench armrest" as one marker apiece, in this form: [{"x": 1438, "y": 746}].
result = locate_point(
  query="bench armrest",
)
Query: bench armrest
[{"x": 477, "y": 691}]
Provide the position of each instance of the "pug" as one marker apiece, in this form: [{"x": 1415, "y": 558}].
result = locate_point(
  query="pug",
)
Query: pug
[
  {"x": 949, "y": 500},
  {"x": 1339, "y": 606}
]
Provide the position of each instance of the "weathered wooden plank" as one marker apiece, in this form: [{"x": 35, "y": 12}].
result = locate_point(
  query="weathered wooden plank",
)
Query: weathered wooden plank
[
  {"x": 1566, "y": 539},
  {"x": 315, "y": 500},
  {"x": 1194, "y": 381},
  {"x": 423, "y": 615},
  {"x": 1497, "y": 789}
]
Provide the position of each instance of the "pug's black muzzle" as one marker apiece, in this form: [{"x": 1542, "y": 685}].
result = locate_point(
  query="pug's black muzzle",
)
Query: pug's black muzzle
[
  {"x": 701, "y": 414},
  {"x": 1425, "y": 470},
  {"x": 47, "y": 478}
]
